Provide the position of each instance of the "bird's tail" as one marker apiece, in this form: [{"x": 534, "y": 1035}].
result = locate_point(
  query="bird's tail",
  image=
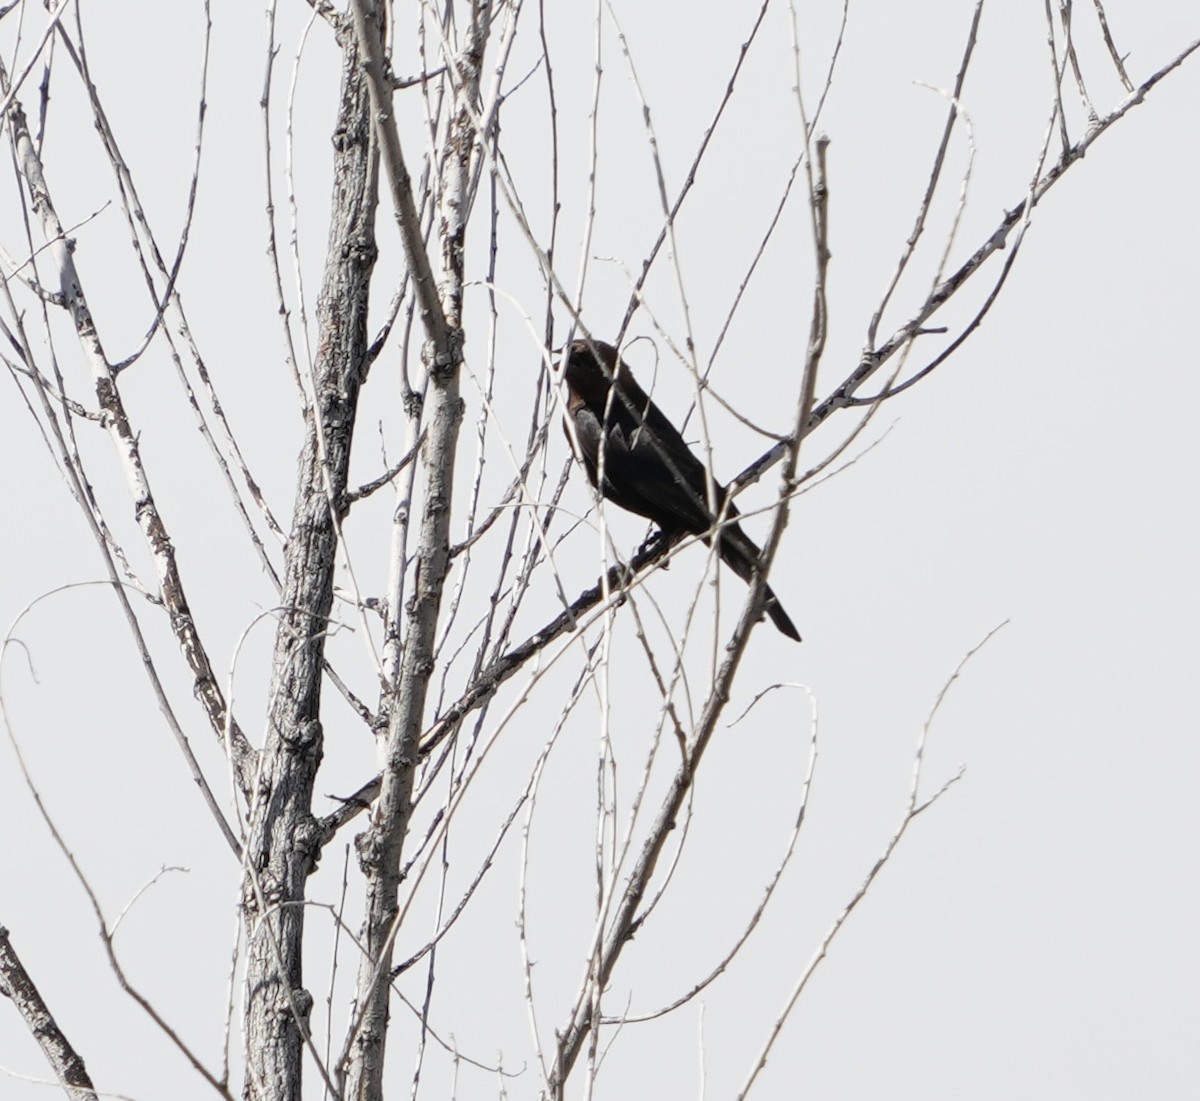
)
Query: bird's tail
[{"x": 740, "y": 553}]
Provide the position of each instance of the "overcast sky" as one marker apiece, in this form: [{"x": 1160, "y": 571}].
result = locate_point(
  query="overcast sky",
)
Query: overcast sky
[{"x": 1035, "y": 934}]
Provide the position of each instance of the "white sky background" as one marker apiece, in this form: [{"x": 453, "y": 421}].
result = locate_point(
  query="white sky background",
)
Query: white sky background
[{"x": 1035, "y": 934}]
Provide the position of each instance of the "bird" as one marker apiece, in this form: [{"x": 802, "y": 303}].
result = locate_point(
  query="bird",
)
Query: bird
[{"x": 648, "y": 468}]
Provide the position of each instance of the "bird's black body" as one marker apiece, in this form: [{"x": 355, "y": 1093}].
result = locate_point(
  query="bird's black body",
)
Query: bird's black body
[{"x": 647, "y": 467}]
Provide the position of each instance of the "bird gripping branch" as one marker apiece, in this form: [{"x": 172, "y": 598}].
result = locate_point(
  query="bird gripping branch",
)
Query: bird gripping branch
[{"x": 648, "y": 469}]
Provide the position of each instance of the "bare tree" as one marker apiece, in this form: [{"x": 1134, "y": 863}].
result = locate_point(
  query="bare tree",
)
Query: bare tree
[{"x": 426, "y": 589}]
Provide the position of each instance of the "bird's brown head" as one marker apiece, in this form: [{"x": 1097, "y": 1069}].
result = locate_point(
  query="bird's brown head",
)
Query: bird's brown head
[{"x": 589, "y": 367}]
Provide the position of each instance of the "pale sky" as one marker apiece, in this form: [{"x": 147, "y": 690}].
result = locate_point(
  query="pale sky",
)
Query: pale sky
[{"x": 1034, "y": 934}]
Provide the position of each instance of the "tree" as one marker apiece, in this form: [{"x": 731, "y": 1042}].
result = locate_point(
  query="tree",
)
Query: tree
[{"x": 438, "y": 638}]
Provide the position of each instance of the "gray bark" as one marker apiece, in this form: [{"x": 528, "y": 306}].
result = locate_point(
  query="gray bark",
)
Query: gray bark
[
  {"x": 380, "y": 847},
  {"x": 67, "y": 1063},
  {"x": 281, "y": 848}
]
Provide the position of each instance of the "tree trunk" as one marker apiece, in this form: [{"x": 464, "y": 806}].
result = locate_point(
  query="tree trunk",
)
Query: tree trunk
[{"x": 282, "y": 846}]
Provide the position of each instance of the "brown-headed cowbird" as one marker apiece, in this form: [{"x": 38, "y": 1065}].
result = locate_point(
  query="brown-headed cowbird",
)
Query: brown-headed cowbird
[{"x": 648, "y": 468}]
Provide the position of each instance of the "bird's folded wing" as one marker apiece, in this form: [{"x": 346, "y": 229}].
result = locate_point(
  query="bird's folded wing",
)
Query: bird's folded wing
[{"x": 646, "y": 470}]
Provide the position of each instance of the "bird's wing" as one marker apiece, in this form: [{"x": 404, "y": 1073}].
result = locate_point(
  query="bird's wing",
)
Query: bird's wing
[{"x": 648, "y": 468}]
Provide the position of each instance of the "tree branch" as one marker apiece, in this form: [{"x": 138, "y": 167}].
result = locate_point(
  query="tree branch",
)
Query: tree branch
[{"x": 67, "y": 1063}]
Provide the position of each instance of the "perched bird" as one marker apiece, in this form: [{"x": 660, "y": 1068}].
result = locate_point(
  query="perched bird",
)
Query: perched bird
[{"x": 647, "y": 466}]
